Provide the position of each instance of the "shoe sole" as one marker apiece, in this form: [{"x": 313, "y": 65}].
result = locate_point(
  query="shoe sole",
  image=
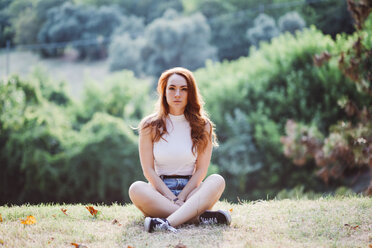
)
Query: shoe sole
[
  {"x": 227, "y": 216},
  {"x": 147, "y": 224}
]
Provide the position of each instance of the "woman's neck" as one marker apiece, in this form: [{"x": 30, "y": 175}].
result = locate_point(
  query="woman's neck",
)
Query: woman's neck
[{"x": 176, "y": 111}]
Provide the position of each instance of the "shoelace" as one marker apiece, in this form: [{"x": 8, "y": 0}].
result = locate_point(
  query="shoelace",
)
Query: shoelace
[
  {"x": 165, "y": 226},
  {"x": 209, "y": 220}
]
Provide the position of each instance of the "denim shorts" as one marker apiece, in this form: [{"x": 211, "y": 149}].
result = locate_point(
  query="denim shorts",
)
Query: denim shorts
[{"x": 176, "y": 185}]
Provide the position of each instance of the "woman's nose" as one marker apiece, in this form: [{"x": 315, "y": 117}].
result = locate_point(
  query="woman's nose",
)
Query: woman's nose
[{"x": 177, "y": 92}]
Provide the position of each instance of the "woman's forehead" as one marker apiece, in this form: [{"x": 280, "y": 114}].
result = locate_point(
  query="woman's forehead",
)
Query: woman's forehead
[{"x": 177, "y": 80}]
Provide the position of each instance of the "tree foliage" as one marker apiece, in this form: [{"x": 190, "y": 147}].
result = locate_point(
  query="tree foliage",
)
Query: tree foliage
[
  {"x": 51, "y": 152},
  {"x": 290, "y": 22},
  {"x": 332, "y": 17},
  {"x": 77, "y": 22},
  {"x": 264, "y": 29},
  {"x": 149, "y": 10},
  {"x": 170, "y": 41},
  {"x": 348, "y": 146},
  {"x": 275, "y": 83}
]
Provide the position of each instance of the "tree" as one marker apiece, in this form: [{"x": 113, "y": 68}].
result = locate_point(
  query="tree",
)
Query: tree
[
  {"x": 126, "y": 47},
  {"x": 290, "y": 22},
  {"x": 177, "y": 41},
  {"x": 149, "y": 10},
  {"x": 28, "y": 18},
  {"x": 332, "y": 17},
  {"x": 6, "y": 31},
  {"x": 348, "y": 146},
  {"x": 170, "y": 41},
  {"x": 125, "y": 53},
  {"x": 70, "y": 22},
  {"x": 228, "y": 26},
  {"x": 264, "y": 29}
]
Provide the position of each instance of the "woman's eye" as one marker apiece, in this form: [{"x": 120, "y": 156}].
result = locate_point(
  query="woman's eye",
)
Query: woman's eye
[
  {"x": 184, "y": 89},
  {"x": 170, "y": 88}
]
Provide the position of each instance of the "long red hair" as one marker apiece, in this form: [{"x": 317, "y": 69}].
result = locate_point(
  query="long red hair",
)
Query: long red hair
[{"x": 194, "y": 112}]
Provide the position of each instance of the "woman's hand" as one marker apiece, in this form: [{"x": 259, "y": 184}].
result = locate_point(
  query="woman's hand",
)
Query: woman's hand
[{"x": 179, "y": 202}]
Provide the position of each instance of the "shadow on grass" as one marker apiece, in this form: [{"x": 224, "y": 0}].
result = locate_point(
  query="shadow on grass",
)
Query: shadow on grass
[{"x": 190, "y": 235}]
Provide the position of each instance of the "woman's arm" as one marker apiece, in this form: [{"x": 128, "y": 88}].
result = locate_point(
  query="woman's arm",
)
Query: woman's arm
[
  {"x": 147, "y": 163},
  {"x": 201, "y": 168}
]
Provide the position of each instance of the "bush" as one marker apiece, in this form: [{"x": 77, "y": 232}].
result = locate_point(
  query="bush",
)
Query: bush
[
  {"x": 102, "y": 162},
  {"x": 50, "y": 152},
  {"x": 32, "y": 137},
  {"x": 237, "y": 150},
  {"x": 121, "y": 95},
  {"x": 346, "y": 150},
  {"x": 274, "y": 84}
]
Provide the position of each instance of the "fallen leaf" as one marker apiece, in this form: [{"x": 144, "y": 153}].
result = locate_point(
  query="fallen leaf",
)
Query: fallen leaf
[
  {"x": 92, "y": 211},
  {"x": 30, "y": 220},
  {"x": 79, "y": 245},
  {"x": 115, "y": 221},
  {"x": 370, "y": 245},
  {"x": 1, "y": 218},
  {"x": 51, "y": 239},
  {"x": 352, "y": 227},
  {"x": 231, "y": 210},
  {"x": 64, "y": 211},
  {"x": 129, "y": 246},
  {"x": 1, "y": 242},
  {"x": 180, "y": 245}
]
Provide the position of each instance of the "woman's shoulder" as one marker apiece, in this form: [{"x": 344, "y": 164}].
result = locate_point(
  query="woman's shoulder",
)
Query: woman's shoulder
[
  {"x": 208, "y": 126},
  {"x": 148, "y": 120}
]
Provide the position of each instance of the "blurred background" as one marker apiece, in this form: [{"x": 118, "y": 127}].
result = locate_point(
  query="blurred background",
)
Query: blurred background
[{"x": 288, "y": 84}]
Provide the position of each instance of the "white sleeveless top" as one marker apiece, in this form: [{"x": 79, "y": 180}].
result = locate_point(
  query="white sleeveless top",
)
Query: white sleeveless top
[{"x": 172, "y": 153}]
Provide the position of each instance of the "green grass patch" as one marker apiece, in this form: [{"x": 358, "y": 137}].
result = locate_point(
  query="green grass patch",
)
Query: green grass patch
[{"x": 324, "y": 222}]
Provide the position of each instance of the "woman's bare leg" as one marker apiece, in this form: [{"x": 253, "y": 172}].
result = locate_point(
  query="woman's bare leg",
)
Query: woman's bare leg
[
  {"x": 199, "y": 200},
  {"x": 150, "y": 201}
]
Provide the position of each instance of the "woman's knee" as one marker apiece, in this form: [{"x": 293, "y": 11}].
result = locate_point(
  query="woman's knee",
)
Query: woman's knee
[
  {"x": 218, "y": 180},
  {"x": 136, "y": 188}
]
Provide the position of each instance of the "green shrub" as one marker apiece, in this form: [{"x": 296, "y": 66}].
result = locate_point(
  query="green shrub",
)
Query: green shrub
[
  {"x": 32, "y": 136},
  {"x": 46, "y": 155},
  {"x": 102, "y": 162},
  {"x": 120, "y": 95},
  {"x": 276, "y": 83}
]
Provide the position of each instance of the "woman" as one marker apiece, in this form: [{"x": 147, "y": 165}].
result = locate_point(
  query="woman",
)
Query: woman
[{"x": 175, "y": 147}]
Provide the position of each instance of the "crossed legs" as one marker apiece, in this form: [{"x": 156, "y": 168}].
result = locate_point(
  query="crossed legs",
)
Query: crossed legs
[{"x": 154, "y": 204}]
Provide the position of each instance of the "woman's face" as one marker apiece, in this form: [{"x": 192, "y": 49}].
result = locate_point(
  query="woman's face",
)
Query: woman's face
[{"x": 176, "y": 94}]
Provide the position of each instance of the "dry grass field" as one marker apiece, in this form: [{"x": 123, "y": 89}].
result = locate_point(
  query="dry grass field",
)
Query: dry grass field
[
  {"x": 325, "y": 222},
  {"x": 60, "y": 69}
]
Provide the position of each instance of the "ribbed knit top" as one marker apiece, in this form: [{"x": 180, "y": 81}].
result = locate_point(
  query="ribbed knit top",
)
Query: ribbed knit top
[{"x": 172, "y": 153}]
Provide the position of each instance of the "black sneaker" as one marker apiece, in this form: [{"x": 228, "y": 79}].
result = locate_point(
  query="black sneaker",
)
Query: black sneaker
[
  {"x": 215, "y": 217},
  {"x": 152, "y": 224}
]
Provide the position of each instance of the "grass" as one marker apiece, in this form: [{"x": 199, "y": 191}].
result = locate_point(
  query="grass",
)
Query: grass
[{"x": 326, "y": 222}]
